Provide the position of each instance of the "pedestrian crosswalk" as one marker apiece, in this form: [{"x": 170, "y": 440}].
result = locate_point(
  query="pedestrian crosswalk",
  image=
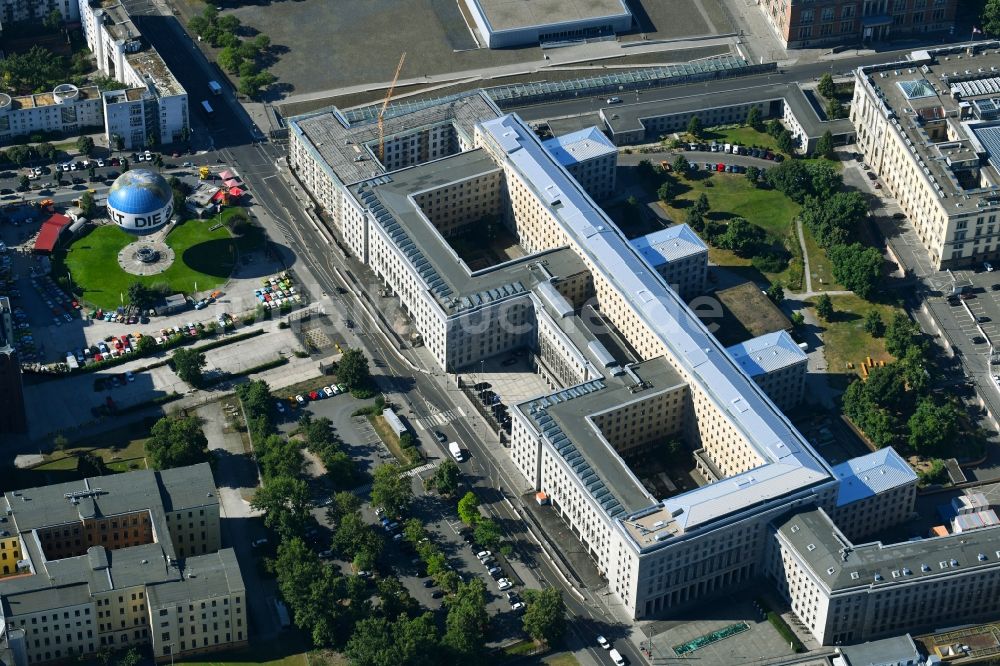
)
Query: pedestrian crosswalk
[{"x": 436, "y": 419}]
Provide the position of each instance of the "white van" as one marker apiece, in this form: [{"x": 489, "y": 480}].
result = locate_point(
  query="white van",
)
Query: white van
[
  {"x": 456, "y": 451},
  {"x": 617, "y": 657},
  {"x": 728, "y": 148}
]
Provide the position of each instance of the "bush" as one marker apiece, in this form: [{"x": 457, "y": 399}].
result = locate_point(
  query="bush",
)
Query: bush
[
  {"x": 283, "y": 324},
  {"x": 300, "y": 354},
  {"x": 770, "y": 261}
]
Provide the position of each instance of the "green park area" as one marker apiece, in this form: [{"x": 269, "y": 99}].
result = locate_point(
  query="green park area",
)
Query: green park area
[
  {"x": 205, "y": 253},
  {"x": 846, "y": 341}
]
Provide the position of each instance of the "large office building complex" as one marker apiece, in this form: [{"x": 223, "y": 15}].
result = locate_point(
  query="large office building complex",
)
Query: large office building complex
[
  {"x": 930, "y": 129},
  {"x": 804, "y": 23},
  {"x": 115, "y": 561},
  {"x": 634, "y": 376}
]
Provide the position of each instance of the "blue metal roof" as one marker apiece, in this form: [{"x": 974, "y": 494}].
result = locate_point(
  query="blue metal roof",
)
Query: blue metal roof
[
  {"x": 871, "y": 474},
  {"x": 139, "y": 191}
]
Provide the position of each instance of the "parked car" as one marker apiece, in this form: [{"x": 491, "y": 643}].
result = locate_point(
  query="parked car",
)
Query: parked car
[
  {"x": 603, "y": 642},
  {"x": 483, "y": 553},
  {"x": 328, "y": 391},
  {"x": 504, "y": 584},
  {"x": 300, "y": 400}
]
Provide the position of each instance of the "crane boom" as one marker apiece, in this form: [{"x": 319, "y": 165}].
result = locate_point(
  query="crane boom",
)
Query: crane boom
[{"x": 385, "y": 105}]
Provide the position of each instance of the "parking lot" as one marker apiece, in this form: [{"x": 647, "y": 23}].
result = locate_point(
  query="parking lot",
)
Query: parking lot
[{"x": 363, "y": 445}]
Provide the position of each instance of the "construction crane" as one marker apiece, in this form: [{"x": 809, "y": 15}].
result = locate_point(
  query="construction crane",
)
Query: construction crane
[{"x": 385, "y": 105}]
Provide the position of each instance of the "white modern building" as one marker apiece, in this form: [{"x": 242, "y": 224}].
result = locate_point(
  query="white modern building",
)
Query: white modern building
[
  {"x": 629, "y": 366},
  {"x": 151, "y": 106},
  {"x": 66, "y": 109},
  {"x": 18, "y": 11},
  {"x": 929, "y": 127},
  {"x": 507, "y": 23}
]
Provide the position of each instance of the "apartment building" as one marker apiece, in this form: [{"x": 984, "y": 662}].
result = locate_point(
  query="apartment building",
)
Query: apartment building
[
  {"x": 151, "y": 106},
  {"x": 12, "y": 416},
  {"x": 927, "y": 125},
  {"x": 679, "y": 256},
  {"x": 808, "y": 24},
  {"x": 777, "y": 364},
  {"x": 114, "y": 561},
  {"x": 66, "y": 109},
  {"x": 589, "y": 157}
]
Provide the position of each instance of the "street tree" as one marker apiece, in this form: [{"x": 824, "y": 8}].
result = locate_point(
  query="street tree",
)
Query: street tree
[
  {"x": 487, "y": 533},
  {"x": 824, "y": 307},
  {"x": 20, "y": 155},
  {"x": 85, "y": 145},
  {"x": 856, "y": 267},
  {"x": 188, "y": 364},
  {"x": 353, "y": 369},
  {"x": 468, "y": 508},
  {"x": 873, "y": 324},
  {"x": 23, "y": 183},
  {"x": 467, "y": 620},
  {"x": 446, "y": 478},
  {"x": 230, "y": 59},
  {"x": 391, "y": 488},
  {"x": 278, "y": 456},
  {"x": 46, "y": 151},
  {"x": 262, "y": 42},
  {"x": 826, "y": 87},
  {"x": 176, "y": 441},
  {"x": 545, "y": 618}
]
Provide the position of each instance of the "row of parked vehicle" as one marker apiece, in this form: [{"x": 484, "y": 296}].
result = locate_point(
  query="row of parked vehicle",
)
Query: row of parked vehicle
[
  {"x": 736, "y": 149},
  {"x": 317, "y": 394},
  {"x": 493, "y": 569}
]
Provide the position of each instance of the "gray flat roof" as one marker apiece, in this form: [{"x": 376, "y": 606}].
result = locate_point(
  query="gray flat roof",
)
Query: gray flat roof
[
  {"x": 205, "y": 576},
  {"x": 513, "y": 14},
  {"x": 767, "y": 353},
  {"x": 562, "y": 418},
  {"x": 442, "y": 270},
  {"x": 670, "y": 244},
  {"x": 839, "y": 565},
  {"x": 934, "y": 86},
  {"x": 169, "y": 490},
  {"x": 629, "y": 117},
  {"x": 340, "y": 143},
  {"x": 580, "y": 146}
]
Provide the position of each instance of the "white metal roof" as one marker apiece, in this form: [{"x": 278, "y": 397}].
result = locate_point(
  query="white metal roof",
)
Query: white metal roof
[
  {"x": 767, "y": 353},
  {"x": 670, "y": 244},
  {"x": 871, "y": 474},
  {"x": 664, "y": 313},
  {"x": 579, "y": 146}
]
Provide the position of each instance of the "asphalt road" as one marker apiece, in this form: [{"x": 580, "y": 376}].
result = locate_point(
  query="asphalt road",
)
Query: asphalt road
[{"x": 800, "y": 73}]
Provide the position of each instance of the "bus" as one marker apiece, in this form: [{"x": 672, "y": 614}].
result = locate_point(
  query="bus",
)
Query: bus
[{"x": 207, "y": 107}]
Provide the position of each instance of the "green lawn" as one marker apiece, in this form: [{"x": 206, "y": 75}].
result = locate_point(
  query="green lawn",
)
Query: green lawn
[
  {"x": 744, "y": 136},
  {"x": 845, "y": 340},
  {"x": 819, "y": 265},
  {"x": 202, "y": 257},
  {"x": 732, "y": 195}
]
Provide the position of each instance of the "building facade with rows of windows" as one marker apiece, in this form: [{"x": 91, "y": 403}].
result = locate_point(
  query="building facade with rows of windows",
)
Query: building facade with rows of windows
[
  {"x": 496, "y": 246},
  {"x": 928, "y": 127},
  {"x": 805, "y": 23},
  {"x": 116, "y": 561}
]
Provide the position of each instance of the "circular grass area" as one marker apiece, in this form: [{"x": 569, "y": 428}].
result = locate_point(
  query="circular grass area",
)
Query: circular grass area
[{"x": 203, "y": 257}]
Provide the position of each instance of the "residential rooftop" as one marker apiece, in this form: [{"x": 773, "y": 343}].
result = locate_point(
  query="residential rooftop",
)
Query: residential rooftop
[
  {"x": 944, "y": 103},
  {"x": 791, "y": 463},
  {"x": 346, "y": 149},
  {"x": 143, "y": 58},
  {"x": 767, "y": 353},
  {"x": 839, "y": 565},
  {"x": 576, "y": 147}
]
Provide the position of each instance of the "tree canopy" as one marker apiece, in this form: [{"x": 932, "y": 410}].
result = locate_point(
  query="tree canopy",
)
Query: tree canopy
[
  {"x": 824, "y": 307},
  {"x": 742, "y": 237},
  {"x": 352, "y": 369},
  {"x": 545, "y": 618},
  {"x": 468, "y": 508},
  {"x": 188, "y": 364},
  {"x": 391, "y": 488},
  {"x": 176, "y": 441},
  {"x": 856, "y": 267},
  {"x": 284, "y": 502},
  {"x": 466, "y": 624},
  {"x": 826, "y": 87}
]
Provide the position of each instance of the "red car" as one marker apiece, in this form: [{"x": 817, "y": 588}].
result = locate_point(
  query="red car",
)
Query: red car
[
  {"x": 720, "y": 167},
  {"x": 313, "y": 395}
]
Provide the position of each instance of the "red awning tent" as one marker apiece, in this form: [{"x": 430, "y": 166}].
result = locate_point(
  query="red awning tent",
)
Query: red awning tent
[
  {"x": 235, "y": 192},
  {"x": 232, "y": 182},
  {"x": 219, "y": 197},
  {"x": 227, "y": 175},
  {"x": 50, "y": 232}
]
